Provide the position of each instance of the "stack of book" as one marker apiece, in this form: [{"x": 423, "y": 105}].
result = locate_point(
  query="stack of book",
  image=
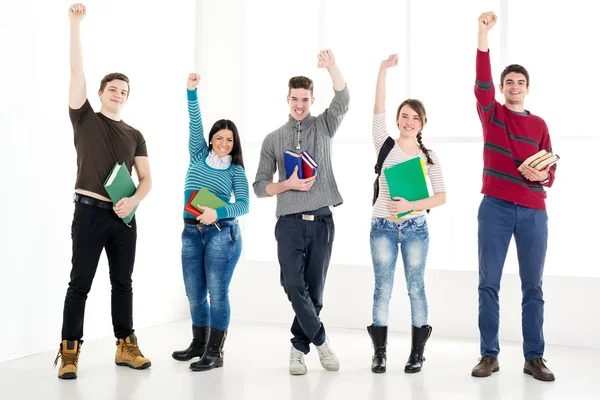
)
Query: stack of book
[
  {"x": 202, "y": 198},
  {"x": 540, "y": 160},
  {"x": 307, "y": 166}
]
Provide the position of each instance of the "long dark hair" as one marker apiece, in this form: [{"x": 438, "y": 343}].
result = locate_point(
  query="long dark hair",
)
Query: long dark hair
[
  {"x": 236, "y": 152},
  {"x": 419, "y": 108}
]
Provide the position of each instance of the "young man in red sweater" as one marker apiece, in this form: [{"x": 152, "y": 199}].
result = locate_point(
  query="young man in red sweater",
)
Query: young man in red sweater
[{"x": 513, "y": 204}]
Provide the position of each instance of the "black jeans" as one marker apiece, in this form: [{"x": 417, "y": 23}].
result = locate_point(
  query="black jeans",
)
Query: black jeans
[
  {"x": 304, "y": 250},
  {"x": 93, "y": 229}
]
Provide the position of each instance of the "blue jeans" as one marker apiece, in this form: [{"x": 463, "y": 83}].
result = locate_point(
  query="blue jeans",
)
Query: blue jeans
[
  {"x": 499, "y": 220},
  {"x": 413, "y": 237},
  {"x": 208, "y": 257}
]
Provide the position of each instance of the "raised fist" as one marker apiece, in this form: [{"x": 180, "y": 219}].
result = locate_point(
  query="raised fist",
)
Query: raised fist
[
  {"x": 77, "y": 12},
  {"x": 193, "y": 81},
  {"x": 392, "y": 61},
  {"x": 487, "y": 20},
  {"x": 325, "y": 59}
]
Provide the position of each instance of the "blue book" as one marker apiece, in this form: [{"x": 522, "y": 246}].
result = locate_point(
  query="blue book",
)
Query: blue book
[{"x": 292, "y": 160}]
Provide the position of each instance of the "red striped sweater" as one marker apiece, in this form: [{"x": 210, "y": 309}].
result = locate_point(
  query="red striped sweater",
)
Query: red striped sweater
[{"x": 509, "y": 138}]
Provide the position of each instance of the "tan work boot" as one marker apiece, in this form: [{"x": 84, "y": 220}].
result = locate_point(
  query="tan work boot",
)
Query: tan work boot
[
  {"x": 69, "y": 353},
  {"x": 129, "y": 354}
]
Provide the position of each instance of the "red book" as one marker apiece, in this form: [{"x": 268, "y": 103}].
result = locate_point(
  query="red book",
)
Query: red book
[
  {"x": 309, "y": 165},
  {"x": 189, "y": 208}
]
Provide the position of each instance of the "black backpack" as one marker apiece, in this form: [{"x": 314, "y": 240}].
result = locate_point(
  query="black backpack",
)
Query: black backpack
[{"x": 388, "y": 145}]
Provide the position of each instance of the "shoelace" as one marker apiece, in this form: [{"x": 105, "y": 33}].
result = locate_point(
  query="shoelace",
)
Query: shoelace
[
  {"x": 324, "y": 350},
  {"x": 133, "y": 349},
  {"x": 539, "y": 362},
  {"x": 66, "y": 359},
  {"x": 296, "y": 356},
  {"x": 487, "y": 359}
]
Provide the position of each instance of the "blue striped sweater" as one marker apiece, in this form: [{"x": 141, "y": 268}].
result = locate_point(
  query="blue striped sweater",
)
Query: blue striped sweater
[{"x": 222, "y": 182}]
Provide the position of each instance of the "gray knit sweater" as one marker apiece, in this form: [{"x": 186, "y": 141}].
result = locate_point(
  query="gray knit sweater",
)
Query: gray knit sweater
[{"x": 315, "y": 135}]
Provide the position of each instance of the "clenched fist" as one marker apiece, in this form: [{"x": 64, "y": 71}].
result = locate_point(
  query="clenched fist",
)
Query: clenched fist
[
  {"x": 193, "y": 81},
  {"x": 325, "y": 59},
  {"x": 392, "y": 61},
  {"x": 487, "y": 20},
  {"x": 77, "y": 12}
]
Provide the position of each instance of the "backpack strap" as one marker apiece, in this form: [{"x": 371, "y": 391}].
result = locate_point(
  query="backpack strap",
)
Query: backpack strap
[{"x": 388, "y": 145}]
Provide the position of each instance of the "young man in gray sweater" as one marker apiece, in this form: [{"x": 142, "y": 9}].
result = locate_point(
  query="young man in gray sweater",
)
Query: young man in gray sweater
[{"x": 305, "y": 229}]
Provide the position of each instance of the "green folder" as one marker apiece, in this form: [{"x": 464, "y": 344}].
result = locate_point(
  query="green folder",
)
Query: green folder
[
  {"x": 407, "y": 180},
  {"x": 119, "y": 184},
  {"x": 205, "y": 198}
]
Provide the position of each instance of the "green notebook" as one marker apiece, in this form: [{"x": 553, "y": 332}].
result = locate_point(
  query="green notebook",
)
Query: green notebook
[
  {"x": 205, "y": 198},
  {"x": 119, "y": 184},
  {"x": 407, "y": 180}
]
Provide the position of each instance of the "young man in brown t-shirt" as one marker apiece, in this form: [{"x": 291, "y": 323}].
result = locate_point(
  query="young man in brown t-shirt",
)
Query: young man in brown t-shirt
[{"x": 101, "y": 140}]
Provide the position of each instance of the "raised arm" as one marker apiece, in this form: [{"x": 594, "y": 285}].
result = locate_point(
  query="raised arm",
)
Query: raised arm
[
  {"x": 77, "y": 90},
  {"x": 484, "y": 85},
  {"x": 197, "y": 144},
  {"x": 330, "y": 120},
  {"x": 380, "y": 132},
  {"x": 392, "y": 61}
]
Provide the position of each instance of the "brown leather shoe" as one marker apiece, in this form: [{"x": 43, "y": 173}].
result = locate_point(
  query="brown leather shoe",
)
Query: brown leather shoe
[
  {"x": 538, "y": 370},
  {"x": 487, "y": 365}
]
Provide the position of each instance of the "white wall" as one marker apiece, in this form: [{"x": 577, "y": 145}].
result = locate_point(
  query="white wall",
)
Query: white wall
[{"x": 245, "y": 52}]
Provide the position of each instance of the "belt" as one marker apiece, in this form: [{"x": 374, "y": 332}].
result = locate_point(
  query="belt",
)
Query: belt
[
  {"x": 90, "y": 201},
  {"x": 305, "y": 217}
]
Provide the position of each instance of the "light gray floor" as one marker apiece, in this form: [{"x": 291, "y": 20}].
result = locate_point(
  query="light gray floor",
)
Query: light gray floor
[{"x": 256, "y": 368}]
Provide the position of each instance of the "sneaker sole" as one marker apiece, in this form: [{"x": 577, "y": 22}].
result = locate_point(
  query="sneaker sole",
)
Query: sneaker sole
[
  {"x": 527, "y": 372},
  {"x": 298, "y": 372},
  {"x": 68, "y": 375},
  {"x": 126, "y": 364},
  {"x": 476, "y": 375}
]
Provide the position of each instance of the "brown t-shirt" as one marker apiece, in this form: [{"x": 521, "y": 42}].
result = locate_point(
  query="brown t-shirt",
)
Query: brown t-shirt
[{"x": 100, "y": 143}]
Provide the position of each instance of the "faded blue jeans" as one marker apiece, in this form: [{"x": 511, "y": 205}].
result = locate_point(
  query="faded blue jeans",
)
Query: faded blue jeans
[
  {"x": 208, "y": 257},
  {"x": 413, "y": 237}
]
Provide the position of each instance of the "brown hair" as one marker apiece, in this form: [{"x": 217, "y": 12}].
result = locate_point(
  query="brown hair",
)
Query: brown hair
[
  {"x": 114, "y": 76},
  {"x": 300, "y": 82},
  {"x": 419, "y": 108},
  {"x": 514, "y": 68}
]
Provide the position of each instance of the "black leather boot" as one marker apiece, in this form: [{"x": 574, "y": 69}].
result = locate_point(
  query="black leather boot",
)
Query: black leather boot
[
  {"x": 379, "y": 337},
  {"x": 419, "y": 338},
  {"x": 196, "y": 348},
  {"x": 213, "y": 356}
]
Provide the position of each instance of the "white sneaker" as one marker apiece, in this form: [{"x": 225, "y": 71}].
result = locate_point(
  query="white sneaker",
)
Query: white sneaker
[
  {"x": 297, "y": 365},
  {"x": 328, "y": 359}
]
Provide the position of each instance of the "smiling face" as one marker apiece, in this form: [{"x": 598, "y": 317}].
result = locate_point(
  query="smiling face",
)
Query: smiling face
[
  {"x": 300, "y": 101},
  {"x": 409, "y": 122},
  {"x": 222, "y": 142},
  {"x": 114, "y": 95},
  {"x": 514, "y": 88}
]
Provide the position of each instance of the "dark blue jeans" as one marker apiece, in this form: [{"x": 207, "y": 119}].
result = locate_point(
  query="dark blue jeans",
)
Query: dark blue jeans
[
  {"x": 499, "y": 220},
  {"x": 208, "y": 257},
  {"x": 304, "y": 251}
]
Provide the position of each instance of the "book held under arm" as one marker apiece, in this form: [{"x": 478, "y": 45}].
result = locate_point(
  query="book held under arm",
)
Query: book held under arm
[{"x": 118, "y": 185}]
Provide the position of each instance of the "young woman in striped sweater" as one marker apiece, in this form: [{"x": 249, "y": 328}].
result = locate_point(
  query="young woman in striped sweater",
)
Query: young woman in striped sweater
[
  {"x": 211, "y": 243},
  {"x": 408, "y": 234}
]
